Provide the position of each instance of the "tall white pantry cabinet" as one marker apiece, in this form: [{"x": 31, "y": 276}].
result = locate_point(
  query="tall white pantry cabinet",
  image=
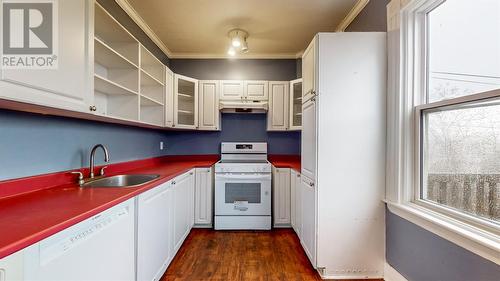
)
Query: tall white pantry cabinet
[{"x": 343, "y": 144}]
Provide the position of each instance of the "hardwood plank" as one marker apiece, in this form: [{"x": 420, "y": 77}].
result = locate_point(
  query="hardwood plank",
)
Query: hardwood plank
[{"x": 241, "y": 255}]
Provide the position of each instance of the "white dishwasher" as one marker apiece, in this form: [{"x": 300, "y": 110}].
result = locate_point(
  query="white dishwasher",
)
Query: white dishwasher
[{"x": 99, "y": 248}]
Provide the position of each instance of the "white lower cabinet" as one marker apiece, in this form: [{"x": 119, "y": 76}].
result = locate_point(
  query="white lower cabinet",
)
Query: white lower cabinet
[
  {"x": 165, "y": 218},
  {"x": 134, "y": 240},
  {"x": 308, "y": 218},
  {"x": 281, "y": 197},
  {"x": 296, "y": 205},
  {"x": 12, "y": 267},
  {"x": 183, "y": 192},
  {"x": 203, "y": 197},
  {"x": 155, "y": 239},
  {"x": 99, "y": 248}
]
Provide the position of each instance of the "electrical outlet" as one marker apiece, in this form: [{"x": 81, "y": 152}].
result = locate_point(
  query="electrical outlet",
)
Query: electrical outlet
[{"x": 161, "y": 145}]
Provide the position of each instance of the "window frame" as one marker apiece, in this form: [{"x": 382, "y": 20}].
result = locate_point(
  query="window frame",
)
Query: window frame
[
  {"x": 488, "y": 225},
  {"x": 406, "y": 102}
]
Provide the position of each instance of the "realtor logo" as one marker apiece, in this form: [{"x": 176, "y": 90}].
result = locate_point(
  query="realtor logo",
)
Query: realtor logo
[{"x": 29, "y": 34}]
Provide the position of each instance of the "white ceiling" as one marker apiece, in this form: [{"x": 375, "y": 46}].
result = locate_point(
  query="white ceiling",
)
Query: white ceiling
[{"x": 198, "y": 28}]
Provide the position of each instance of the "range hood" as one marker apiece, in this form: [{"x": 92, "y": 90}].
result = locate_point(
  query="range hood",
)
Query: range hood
[{"x": 243, "y": 106}]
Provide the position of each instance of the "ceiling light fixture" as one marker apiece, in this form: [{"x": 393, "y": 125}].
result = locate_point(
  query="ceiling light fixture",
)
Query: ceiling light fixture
[{"x": 239, "y": 43}]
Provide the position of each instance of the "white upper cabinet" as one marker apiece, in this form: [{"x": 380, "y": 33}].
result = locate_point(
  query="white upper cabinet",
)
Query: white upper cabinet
[
  {"x": 256, "y": 90},
  {"x": 308, "y": 143},
  {"x": 209, "y": 114},
  {"x": 309, "y": 71},
  {"x": 277, "y": 116},
  {"x": 295, "y": 109},
  {"x": 244, "y": 90},
  {"x": 231, "y": 90},
  {"x": 203, "y": 197},
  {"x": 69, "y": 86},
  {"x": 185, "y": 102},
  {"x": 169, "y": 98}
]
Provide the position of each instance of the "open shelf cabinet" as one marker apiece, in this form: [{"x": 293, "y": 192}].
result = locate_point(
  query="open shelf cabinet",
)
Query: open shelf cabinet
[{"x": 129, "y": 81}]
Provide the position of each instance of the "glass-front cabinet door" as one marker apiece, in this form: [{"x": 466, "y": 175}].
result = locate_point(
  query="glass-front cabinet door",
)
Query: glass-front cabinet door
[
  {"x": 296, "y": 104},
  {"x": 186, "y": 102}
]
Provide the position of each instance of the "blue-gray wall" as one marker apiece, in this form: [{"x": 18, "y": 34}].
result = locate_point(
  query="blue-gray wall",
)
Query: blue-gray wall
[
  {"x": 32, "y": 144},
  {"x": 420, "y": 255},
  {"x": 236, "y": 69},
  {"x": 235, "y": 127}
]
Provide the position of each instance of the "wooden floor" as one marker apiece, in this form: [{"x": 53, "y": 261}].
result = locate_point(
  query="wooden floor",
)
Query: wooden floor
[{"x": 241, "y": 255}]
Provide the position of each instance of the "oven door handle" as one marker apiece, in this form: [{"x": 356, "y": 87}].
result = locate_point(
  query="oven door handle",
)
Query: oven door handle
[{"x": 242, "y": 177}]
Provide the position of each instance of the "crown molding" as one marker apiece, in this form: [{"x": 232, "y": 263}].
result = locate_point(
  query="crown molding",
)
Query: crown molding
[
  {"x": 353, "y": 13},
  {"x": 134, "y": 15},
  {"x": 225, "y": 56}
]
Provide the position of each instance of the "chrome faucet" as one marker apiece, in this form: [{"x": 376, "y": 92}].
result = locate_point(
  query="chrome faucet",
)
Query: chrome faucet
[{"x": 92, "y": 157}]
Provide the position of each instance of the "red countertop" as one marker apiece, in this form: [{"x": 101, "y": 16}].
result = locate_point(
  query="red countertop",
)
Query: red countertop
[
  {"x": 35, "y": 208},
  {"x": 285, "y": 161}
]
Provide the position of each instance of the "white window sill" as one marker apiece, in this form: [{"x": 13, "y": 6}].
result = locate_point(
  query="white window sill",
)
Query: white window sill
[{"x": 478, "y": 241}]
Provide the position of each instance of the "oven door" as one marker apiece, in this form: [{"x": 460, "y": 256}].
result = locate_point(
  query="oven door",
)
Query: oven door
[{"x": 242, "y": 194}]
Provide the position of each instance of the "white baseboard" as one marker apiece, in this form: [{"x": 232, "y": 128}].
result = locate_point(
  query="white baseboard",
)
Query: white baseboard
[{"x": 390, "y": 274}]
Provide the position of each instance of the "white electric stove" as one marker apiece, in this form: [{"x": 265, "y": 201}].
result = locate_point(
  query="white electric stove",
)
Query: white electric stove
[{"x": 243, "y": 187}]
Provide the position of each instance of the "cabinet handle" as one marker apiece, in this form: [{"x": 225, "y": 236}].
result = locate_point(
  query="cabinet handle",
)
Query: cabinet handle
[
  {"x": 313, "y": 93},
  {"x": 93, "y": 108},
  {"x": 311, "y": 184},
  {"x": 173, "y": 182}
]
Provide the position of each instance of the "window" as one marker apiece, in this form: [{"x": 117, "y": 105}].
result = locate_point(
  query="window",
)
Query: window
[
  {"x": 458, "y": 118},
  {"x": 443, "y": 138}
]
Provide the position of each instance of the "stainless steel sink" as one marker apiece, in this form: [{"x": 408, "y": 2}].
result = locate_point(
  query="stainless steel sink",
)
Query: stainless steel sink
[{"x": 121, "y": 181}]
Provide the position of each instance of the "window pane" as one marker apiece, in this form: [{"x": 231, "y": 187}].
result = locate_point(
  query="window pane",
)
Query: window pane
[
  {"x": 463, "y": 48},
  {"x": 461, "y": 158}
]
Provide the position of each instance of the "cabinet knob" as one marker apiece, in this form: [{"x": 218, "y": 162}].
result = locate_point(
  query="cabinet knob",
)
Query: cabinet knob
[
  {"x": 93, "y": 108},
  {"x": 173, "y": 182},
  {"x": 311, "y": 184},
  {"x": 173, "y": 125}
]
